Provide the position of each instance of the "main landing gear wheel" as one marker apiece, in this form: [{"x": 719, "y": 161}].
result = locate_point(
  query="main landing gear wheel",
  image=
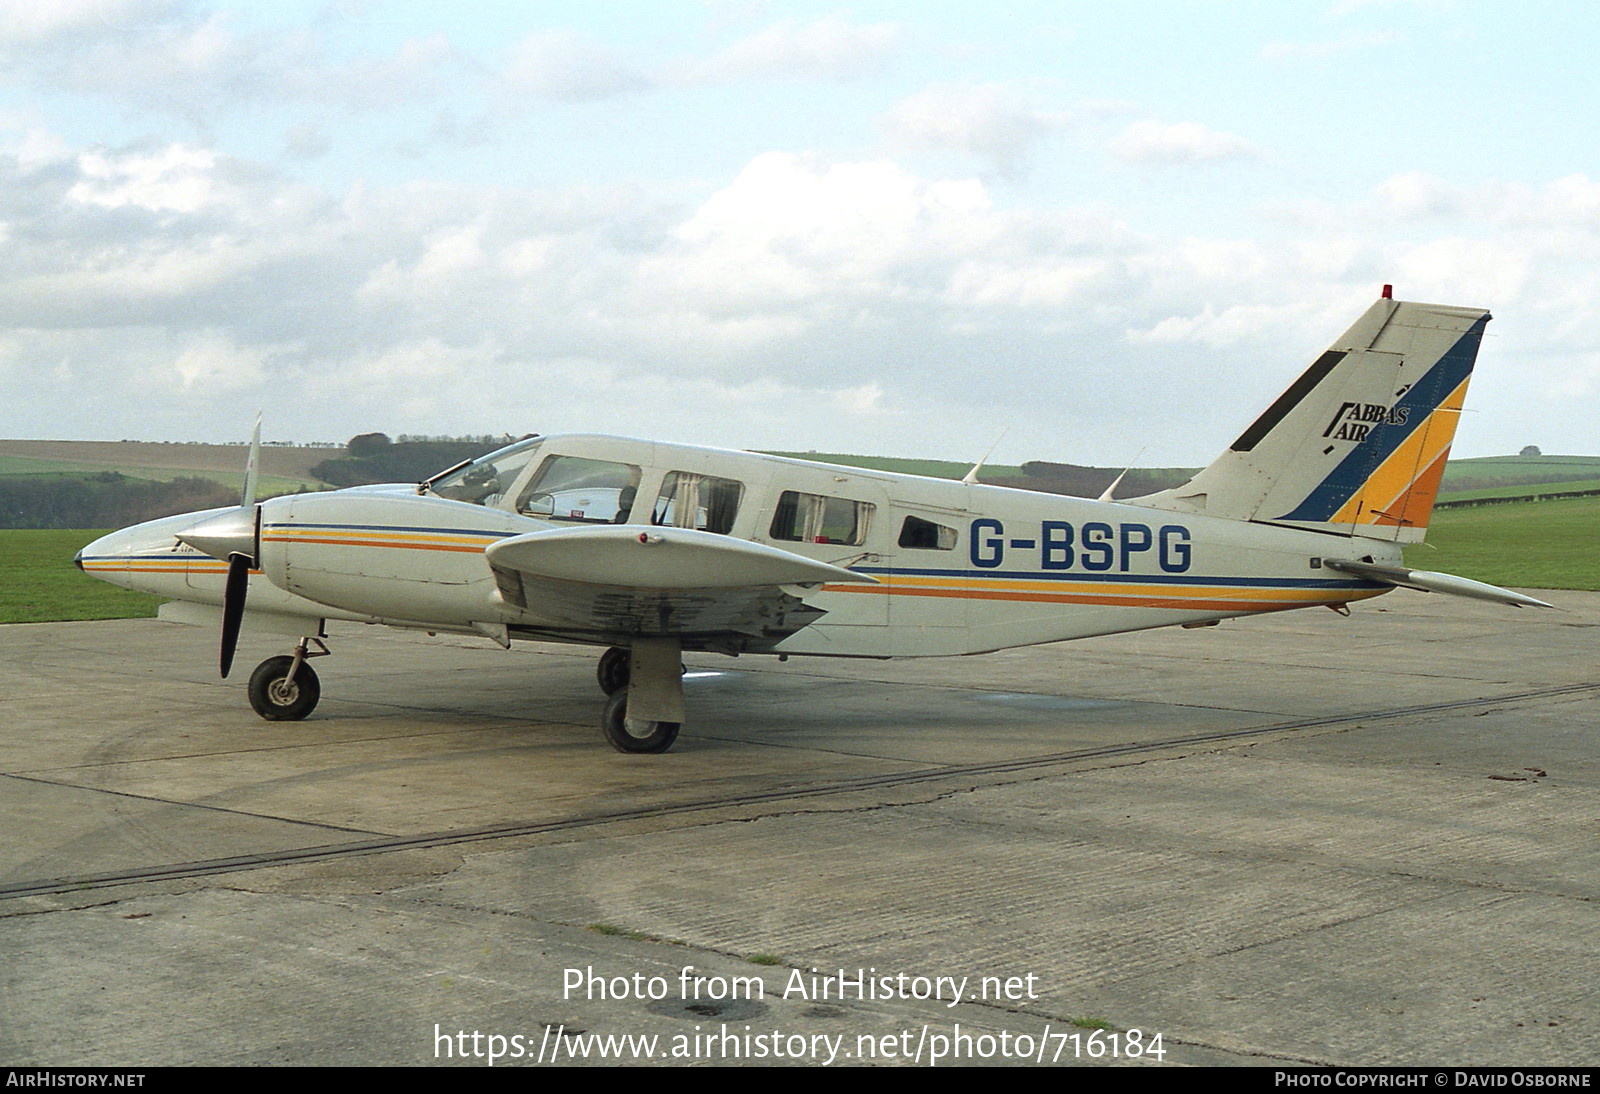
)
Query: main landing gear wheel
[
  {"x": 280, "y": 699},
  {"x": 613, "y": 670},
  {"x": 635, "y": 734}
]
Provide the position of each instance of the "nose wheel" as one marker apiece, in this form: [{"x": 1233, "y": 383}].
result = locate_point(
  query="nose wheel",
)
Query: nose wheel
[{"x": 285, "y": 688}]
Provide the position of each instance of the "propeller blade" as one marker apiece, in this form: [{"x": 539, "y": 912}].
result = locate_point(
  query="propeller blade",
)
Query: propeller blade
[
  {"x": 233, "y": 596},
  {"x": 252, "y": 467}
]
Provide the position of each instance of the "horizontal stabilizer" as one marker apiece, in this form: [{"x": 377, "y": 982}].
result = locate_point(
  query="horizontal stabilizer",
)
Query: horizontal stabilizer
[
  {"x": 660, "y": 558},
  {"x": 1430, "y": 582}
]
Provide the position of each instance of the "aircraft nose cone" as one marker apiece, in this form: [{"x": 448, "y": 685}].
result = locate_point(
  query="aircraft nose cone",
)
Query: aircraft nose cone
[
  {"x": 224, "y": 535},
  {"x": 109, "y": 544}
]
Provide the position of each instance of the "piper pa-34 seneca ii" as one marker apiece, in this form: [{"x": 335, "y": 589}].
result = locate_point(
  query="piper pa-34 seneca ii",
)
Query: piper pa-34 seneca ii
[{"x": 654, "y": 549}]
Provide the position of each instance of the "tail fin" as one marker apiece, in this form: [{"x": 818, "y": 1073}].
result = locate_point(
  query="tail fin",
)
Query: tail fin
[{"x": 1357, "y": 445}]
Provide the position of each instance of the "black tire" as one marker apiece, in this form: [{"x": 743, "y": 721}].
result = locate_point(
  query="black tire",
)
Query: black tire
[
  {"x": 613, "y": 670},
  {"x": 635, "y": 735},
  {"x": 276, "y": 703}
]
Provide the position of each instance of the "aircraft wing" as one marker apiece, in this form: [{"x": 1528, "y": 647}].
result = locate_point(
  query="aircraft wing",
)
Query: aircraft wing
[
  {"x": 1429, "y": 581},
  {"x": 616, "y": 583}
]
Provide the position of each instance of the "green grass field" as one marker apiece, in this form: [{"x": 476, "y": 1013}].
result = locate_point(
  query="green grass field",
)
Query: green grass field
[{"x": 39, "y": 583}]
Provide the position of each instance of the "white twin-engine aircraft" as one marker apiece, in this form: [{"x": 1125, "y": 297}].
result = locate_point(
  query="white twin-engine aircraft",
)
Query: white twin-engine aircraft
[{"x": 653, "y": 549}]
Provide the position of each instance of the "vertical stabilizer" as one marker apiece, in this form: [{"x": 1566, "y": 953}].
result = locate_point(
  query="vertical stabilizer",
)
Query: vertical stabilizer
[{"x": 1358, "y": 443}]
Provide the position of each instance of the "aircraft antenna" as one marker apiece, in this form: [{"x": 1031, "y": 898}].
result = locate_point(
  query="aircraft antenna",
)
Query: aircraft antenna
[
  {"x": 971, "y": 477},
  {"x": 1106, "y": 494}
]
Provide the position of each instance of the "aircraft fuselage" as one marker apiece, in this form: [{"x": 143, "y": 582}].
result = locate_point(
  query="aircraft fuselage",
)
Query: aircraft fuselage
[{"x": 959, "y": 568}]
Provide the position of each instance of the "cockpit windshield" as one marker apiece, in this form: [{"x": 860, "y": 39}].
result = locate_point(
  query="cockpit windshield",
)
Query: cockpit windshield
[{"x": 485, "y": 479}]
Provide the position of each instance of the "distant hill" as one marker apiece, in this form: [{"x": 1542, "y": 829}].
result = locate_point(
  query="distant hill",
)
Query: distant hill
[
  {"x": 1494, "y": 473},
  {"x": 157, "y": 460},
  {"x": 101, "y": 484},
  {"x": 97, "y": 484}
]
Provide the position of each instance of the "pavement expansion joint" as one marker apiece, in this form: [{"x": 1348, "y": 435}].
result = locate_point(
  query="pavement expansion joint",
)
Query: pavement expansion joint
[{"x": 322, "y": 825}]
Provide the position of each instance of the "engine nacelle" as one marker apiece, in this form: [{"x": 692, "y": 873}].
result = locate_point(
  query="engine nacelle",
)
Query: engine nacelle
[{"x": 405, "y": 557}]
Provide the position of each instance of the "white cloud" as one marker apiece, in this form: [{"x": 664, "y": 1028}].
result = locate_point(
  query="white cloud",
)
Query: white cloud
[
  {"x": 1350, "y": 7},
  {"x": 213, "y": 362},
  {"x": 306, "y": 142},
  {"x": 1567, "y": 207},
  {"x": 176, "y": 178},
  {"x": 1300, "y": 52},
  {"x": 1484, "y": 270},
  {"x": 861, "y": 401},
  {"x": 992, "y": 121},
  {"x": 1219, "y": 329},
  {"x": 1570, "y": 204},
  {"x": 830, "y": 47},
  {"x": 790, "y": 228},
  {"x": 27, "y": 21},
  {"x": 40, "y": 147},
  {"x": 1153, "y": 144},
  {"x": 1039, "y": 285},
  {"x": 1417, "y": 194},
  {"x": 179, "y": 59},
  {"x": 565, "y": 65}
]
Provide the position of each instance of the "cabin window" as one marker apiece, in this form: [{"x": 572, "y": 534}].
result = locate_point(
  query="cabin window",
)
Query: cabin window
[
  {"x": 572, "y": 488},
  {"x": 924, "y": 535},
  {"x": 706, "y": 502},
  {"x": 814, "y": 518}
]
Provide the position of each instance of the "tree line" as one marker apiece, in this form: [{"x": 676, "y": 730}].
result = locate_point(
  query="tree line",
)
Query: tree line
[
  {"x": 106, "y": 499},
  {"x": 373, "y": 457}
]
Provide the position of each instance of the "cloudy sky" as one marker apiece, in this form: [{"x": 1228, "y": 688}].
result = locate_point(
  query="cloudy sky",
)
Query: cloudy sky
[{"x": 1109, "y": 233}]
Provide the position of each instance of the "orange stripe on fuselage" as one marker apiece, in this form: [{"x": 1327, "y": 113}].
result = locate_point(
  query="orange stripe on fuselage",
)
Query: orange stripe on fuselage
[
  {"x": 420, "y": 542},
  {"x": 1242, "y": 600}
]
